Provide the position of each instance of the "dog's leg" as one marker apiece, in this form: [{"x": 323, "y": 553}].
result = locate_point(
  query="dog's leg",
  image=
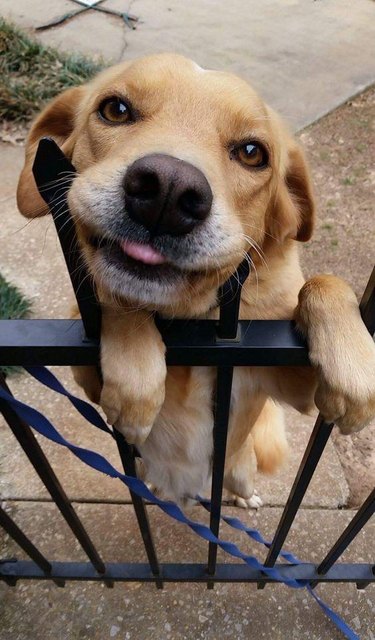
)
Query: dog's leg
[
  {"x": 88, "y": 378},
  {"x": 342, "y": 352},
  {"x": 240, "y": 471},
  {"x": 256, "y": 441},
  {"x": 134, "y": 372},
  {"x": 341, "y": 349}
]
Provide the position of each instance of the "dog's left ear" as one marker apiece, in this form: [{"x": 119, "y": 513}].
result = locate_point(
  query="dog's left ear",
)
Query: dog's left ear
[
  {"x": 292, "y": 210},
  {"x": 57, "y": 120}
]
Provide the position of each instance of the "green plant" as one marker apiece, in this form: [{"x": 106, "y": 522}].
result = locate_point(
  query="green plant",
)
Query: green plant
[{"x": 13, "y": 305}]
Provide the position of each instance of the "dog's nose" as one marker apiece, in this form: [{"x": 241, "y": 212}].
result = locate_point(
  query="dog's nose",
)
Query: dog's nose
[{"x": 166, "y": 195}]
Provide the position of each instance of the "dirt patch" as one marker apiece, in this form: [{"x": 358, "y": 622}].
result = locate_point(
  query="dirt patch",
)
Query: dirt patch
[{"x": 340, "y": 150}]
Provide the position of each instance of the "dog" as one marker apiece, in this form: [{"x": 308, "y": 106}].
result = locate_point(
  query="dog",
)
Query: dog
[{"x": 183, "y": 173}]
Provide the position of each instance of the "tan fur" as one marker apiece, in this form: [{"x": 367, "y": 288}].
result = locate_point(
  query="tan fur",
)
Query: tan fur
[
  {"x": 197, "y": 116},
  {"x": 270, "y": 444}
]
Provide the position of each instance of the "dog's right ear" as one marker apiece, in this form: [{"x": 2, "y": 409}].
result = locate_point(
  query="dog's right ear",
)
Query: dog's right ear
[{"x": 57, "y": 121}]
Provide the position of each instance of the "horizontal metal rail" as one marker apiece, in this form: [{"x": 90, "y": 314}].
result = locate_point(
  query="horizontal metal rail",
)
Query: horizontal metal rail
[
  {"x": 13, "y": 530},
  {"x": 186, "y": 572},
  {"x": 189, "y": 343}
]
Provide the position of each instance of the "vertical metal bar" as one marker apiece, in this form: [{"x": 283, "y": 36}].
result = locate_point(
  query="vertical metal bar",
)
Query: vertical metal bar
[
  {"x": 35, "y": 454},
  {"x": 315, "y": 447},
  {"x": 227, "y": 329},
  {"x": 50, "y": 166},
  {"x": 23, "y": 541},
  {"x": 365, "y": 583},
  {"x": 49, "y": 163},
  {"x": 318, "y": 440},
  {"x": 222, "y": 408},
  {"x": 367, "y": 304},
  {"x": 128, "y": 462},
  {"x": 230, "y": 298},
  {"x": 354, "y": 526}
]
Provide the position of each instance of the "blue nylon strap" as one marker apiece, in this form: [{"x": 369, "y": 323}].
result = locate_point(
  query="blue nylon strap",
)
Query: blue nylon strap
[
  {"x": 235, "y": 523},
  {"x": 87, "y": 411},
  {"x": 93, "y": 459}
]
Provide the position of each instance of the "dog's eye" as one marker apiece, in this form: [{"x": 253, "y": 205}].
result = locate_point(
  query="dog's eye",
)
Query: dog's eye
[
  {"x": 252, "y": 154},
  {"x": 115, "y": 110}
]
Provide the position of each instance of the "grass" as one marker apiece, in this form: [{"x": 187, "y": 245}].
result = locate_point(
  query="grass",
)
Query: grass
[
  {"x": 13, "y": 305},
  {"x": 31, "y": 74},
  {"x": 349, "y": 181}
]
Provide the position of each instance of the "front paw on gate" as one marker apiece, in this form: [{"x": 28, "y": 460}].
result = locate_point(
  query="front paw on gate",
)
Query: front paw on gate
[
  {"x": 351, "y": 411},
  {"x": 341, "y": 350},
  {"x": 132, "y": 416}
]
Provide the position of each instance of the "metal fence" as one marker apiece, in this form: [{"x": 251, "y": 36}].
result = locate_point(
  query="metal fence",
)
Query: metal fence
[{"x": 224, "y": 344}]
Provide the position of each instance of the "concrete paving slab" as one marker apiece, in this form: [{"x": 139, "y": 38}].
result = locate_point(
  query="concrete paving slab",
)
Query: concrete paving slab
[
  {"x": 115, "y": 533},
  {"x": 74, "y": 35},
  {"x": 31, "y": 258},
  {"x": 185, "y": 611},
  {"x": 304, "y": 57}
]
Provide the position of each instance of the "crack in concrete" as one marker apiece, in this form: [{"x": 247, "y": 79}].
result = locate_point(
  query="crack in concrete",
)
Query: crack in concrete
[{"x": 124, "y": 40}]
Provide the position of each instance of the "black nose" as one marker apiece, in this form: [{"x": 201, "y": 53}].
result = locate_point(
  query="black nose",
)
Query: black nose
[{"x": 166, "y": 195}]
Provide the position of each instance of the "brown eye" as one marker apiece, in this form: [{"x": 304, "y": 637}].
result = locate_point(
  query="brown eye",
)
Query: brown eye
[
  {"x": 115, "y": 110},
  {"x": 252, "y": 154}
]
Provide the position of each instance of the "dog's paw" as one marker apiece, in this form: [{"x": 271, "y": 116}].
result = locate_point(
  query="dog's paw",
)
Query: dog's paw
[
  {"x": 133, "y": 414},
  {"x": 345, "y": 393},
  {"x": 141, "y": 473},
  {"x": 351, "y": 407},
  {"x": 341, "y": 350},
  {"x": 254, "y": 502}
]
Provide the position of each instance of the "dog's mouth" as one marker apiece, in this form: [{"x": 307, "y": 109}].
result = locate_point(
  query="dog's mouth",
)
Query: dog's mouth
[
  {"x": 139, "y": 259},
  {"x": 151, "y": 272}
]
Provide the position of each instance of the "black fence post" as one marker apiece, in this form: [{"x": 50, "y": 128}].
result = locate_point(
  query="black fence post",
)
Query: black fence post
[
  {"x": 316, "y": 445},
  {"x": 50, "y": 163},
  {"x": 227, "y": 331},
  {"x": 318, "y": 440},
  {"x": 355, "y": 525},
  {"x": 35, "y": 454},
  {"x": 28, "y": 547},
  {"x": 126, "y": 452}
]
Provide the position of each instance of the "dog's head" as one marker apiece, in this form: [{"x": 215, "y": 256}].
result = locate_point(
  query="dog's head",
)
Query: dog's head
[{"x": 181, "y": 173}]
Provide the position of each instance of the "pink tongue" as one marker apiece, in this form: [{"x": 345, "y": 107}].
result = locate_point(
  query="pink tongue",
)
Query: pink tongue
[{"x": 142, "y": 252}]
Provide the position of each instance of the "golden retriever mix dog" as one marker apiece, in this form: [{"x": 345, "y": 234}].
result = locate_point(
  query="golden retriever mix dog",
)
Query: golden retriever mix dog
[{"x": 181, "y": 173}]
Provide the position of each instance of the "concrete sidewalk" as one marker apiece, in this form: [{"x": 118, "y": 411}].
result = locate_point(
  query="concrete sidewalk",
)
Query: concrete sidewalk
[
  {"x": 304, "y": 56},
  {"x": 84, "y": 611}
]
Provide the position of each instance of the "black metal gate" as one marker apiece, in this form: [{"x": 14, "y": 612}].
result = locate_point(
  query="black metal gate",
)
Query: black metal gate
[{"x": 224, "y": 344}]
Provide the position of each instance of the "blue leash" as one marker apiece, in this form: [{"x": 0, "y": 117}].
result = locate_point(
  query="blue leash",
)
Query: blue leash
[{"x": 95, "y": 460}]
